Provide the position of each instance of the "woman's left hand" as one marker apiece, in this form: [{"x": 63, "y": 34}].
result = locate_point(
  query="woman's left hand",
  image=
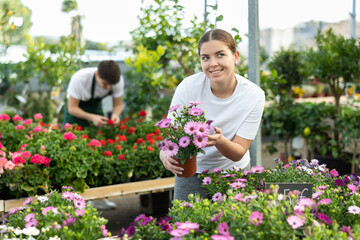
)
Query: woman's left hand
[{"x": 216, "y": 138}]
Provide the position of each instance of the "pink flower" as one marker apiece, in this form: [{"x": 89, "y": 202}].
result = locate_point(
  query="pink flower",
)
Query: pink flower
[
  {"x": 69, "y": 136},
  {"x": 79, "y": 203},
  {"x": 257, "y": 169},
  {"x": 194, "y": 103},
  {"x": 190, "y": 127},
  {"x": 68, "y": 195},
  {"x": 20, "y": 127},
  {"x": 4, "y": 117},
  {"x": 324, "y": 219},
  {"x": 325, "y": 201},
  {"x": 165, "y": 123},
  {"x": 179, "y": 232},
  {"x": 200, "y": 142},
  {"x": 17, "y": 118},
  {"x": 38, "y": 117},
  {"x": 256, "y": 218},
  {"x": 236, "y": 185},
  {"x": 94, "y": 143},
  {"x": 32, "y": 223},
  {"x": 184, "y": 141},
  {"x": 170, "y": 148},
  {"x": 104, "y": 231},
  {"x": 354, "y": 210},
  {"x": 206, "y": 181},
  {"x": 317, "y": 194},
  {"x": 80, "y": 212},
  {"x": 49, "y": 209},
  {"x": 187, "y": 225},
  {"x": 18, "y": 160},
  {"x": 202, "y": 130},
  {"x": 195, "y": 111},
  {"x": 174, "y": 108},
  {"x": 9, "y": 165},
  {"x": 352, "y": 187},
  {"x": 27, "y": 122},
  {"x": 223, "y": 229},
  {"x": 307, "y": 202},
  {"x": 29, "y": 217},
  {"x": 68, "y": 126},
  {"x": 334, "y": 173},
  {"x": 295, "y": 221},
  {"x": 217, "y": 216}
]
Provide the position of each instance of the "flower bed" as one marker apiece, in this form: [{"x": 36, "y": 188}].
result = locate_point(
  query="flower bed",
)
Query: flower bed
[
  {"x": 240, "y": 208},
  {"x": 36, "y": 157},
  {"x": 54, "y": 216}
]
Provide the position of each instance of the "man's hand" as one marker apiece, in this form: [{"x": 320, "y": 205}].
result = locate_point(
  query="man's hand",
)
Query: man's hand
[
  {"x": 99, "y": 120},
  {"x": 169, "y": 163}
]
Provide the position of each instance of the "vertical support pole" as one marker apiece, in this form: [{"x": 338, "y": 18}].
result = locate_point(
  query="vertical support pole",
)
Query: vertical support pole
[
  {"x": 254, "y": 71},
  {"x": 353, "y": 20}
]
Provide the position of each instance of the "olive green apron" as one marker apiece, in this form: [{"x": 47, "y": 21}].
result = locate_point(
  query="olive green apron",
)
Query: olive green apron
[{"x": 93, "y": 105}]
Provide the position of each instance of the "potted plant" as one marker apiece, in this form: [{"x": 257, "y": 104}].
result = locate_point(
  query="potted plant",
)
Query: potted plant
[{"x": 186, "y": 136}]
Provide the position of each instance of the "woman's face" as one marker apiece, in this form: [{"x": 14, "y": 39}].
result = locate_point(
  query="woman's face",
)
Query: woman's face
[{"x": 218, "y": 62}]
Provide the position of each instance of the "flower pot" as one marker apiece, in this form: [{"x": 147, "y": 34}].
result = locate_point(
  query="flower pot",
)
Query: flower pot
[{"x": 189, "y": 167}]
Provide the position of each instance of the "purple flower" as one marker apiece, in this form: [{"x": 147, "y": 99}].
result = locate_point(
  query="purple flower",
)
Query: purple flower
[
  {"x": 205, "y": 171},
  {"x": 334, "y": 173},
  {"x": 206, "y": 181},
  {"x": 200, "y": 142},
  {"x": 32, "y": 223},
  {"x": 217, "y": 170},
  {"x": 190, "y": 127},
  {"x": 165, "y": 123},
  {"x": 217, "y": 216},
  {"x": 326, "y": 201},
  {"x": 339, "y": 182},
  {"x": 146, "y": 220},
  {"x": 347, "y": 230},
  {"x": 324, "y": 218},
  {"x": 256, "y": 218},
  {"x": 29, "y": 217},
  {"x": 217, "y": 197},
  {"x": 187, "y": 205},
  {"x": 223, "y": 229},
  {"x": 139, "y": 218},
  {"x": 170, "y": 148},
  {"x": 295, "y": 221},
  {"x": 195, "y": 111},
  {"x": 174, "y": 108},
  {"x": 28, "y": 201},
  {"x": 68, "y": 196},
  {"x": 184, "y": 141},
  {"x": 179, "y": 232},
  {"x": 354, "y": 210},
  {"x": 187, "y": 225},
  {"x": 130, "y": 231}
]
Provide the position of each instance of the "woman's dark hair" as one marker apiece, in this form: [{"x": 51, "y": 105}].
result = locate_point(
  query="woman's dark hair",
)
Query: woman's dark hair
[
  {"x": 109, "y": 70},
  {"x": 220, "y": 35}
]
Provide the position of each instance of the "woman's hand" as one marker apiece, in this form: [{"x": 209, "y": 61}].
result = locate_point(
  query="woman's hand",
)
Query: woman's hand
[
  {"x": 215, "y": 139},
  {"x": 169, "y": 163},
  {"x": 99, "y": 120}
]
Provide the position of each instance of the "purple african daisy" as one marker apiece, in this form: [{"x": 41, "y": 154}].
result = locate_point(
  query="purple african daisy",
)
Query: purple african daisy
[
  {"x": 68, "y": 196},
  {"x": 206, "y": 181},
  {"x": 217, "y": 216},
  {"x": 184, "y": 141},
  {"x": 190, "y": 127},
  {"x": 179, "y": 232},
  {"x": 194, "y": 103},
  {"x": 223, "y": 229},
  {"x": 165, "y": 123},
  {"x": 325, "y": 201},
  {"x": 79, "y": 203},
  {"x": 174, "y": 108},
  {"x": 32, "y": 223},
  {"x": 200, "y": 142},
  {"x": 28, "y": 201},
  {"x": 29, "y": 217},
  {"x": 324, "y": 218},
  {"x": 339, "y": 182},
  {"x": 354, "y": 210},
  {"x": 236, "y": 185},
  {"x": 170, "y": 148},
  {"x": 187, "y": 225},
  {"x": 217, "y": 197},
  {"x": 202, "y": 130},
  {"x": 195, "y": 111},
  {"x": 256, "y": 218},
  {"x": 295, "y": 221}
]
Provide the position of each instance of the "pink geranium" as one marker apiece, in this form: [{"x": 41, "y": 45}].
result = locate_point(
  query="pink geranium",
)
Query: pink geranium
[
  {"x": 20, "y": 127},
  {"x": 17, "y": 118},
  {"x": 27, "y": 122},
  {"x": 69, "y": 136},
  {"x": 4, "y": 117},
  {"x": 38, "y": 117},
  {"x": 94, "y": 143}
]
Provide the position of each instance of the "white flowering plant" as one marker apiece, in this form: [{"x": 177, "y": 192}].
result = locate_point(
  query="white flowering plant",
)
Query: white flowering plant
[
  {"x": 186, "y": 134},
  {"x": 53, "y": 216}
]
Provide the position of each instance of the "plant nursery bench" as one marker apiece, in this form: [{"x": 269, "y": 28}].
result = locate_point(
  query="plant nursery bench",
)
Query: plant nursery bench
[{"x": 111, "y": 191}]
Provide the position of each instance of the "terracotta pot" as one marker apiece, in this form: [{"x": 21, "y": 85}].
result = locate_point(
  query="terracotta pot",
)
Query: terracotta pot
[{"x": 189, "y": 167}]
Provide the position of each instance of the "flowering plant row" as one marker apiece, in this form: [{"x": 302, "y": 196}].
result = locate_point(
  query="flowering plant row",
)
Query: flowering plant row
[
  {"x": 240, "y": 208},
  {"x": 36, "y": 157},
  {"x": 57, "y": 215}
]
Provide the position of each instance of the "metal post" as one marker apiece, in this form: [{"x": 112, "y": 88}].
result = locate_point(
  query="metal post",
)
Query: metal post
[
  {"x": 254, "y": 71},
  {"x": 353, "y": 20}
]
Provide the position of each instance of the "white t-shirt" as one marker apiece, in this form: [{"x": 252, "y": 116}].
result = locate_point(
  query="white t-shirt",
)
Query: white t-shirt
[
  {"x": 238, "y": 114},
  {"x": 80, "y": 86}
]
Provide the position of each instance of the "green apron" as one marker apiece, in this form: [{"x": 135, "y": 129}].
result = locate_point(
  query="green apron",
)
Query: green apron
[{"x": 93, "y": 105}]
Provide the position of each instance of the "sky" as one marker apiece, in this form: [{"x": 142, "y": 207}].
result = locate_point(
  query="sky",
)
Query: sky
[{"x": 111, "y": 20}]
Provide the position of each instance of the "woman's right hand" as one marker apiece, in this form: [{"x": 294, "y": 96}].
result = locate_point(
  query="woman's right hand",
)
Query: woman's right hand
[
  {"x": 169, "y": 163},
  {"x": 99, "y": 120}
]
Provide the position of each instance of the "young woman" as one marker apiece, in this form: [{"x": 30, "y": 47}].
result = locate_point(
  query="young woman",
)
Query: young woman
[{"x": 233, "y": 103}]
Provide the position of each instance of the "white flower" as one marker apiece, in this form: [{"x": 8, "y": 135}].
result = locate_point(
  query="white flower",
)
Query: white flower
[
  {"x": 309, "y": 171},
  {"x": 31, "y": 231},
  {"x": 55, "y": 238},
  {"x": 281, "y": 197},
  {"x": 42, "y": 198},
  {"x": 18, "y": 231},
  {"x": 3, "y": 227}
]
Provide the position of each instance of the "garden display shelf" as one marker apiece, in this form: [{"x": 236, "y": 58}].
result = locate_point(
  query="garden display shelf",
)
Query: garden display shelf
[{"x": 111, "y": 191}]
